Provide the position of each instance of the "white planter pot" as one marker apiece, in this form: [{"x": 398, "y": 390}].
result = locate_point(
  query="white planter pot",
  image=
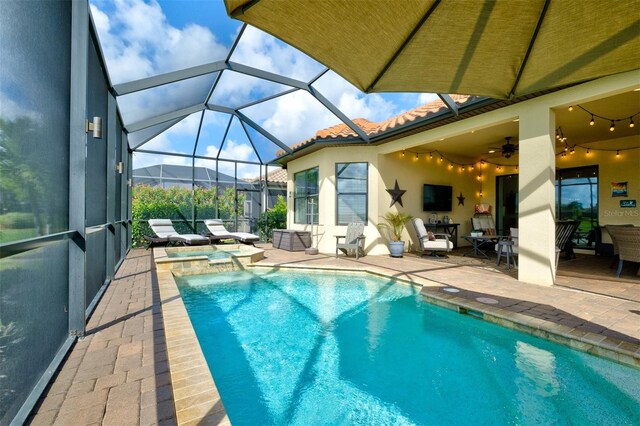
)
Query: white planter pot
[{"x": 396, "y": 248}]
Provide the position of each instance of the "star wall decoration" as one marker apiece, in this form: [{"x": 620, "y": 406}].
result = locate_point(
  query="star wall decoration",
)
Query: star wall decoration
[
  {"x": 396, "y": 194},
  {"x": 460, "y": 200}
]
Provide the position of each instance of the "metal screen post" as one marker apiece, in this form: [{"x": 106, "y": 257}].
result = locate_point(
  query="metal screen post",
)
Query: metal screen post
[
  {"x": 111, "y": 186},
  {"x": 77, "y": 164}
]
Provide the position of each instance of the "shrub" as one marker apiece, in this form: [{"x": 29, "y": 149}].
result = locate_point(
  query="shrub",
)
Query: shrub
[
  {"x": 176, "y": 203},
  {"x": 17, "y": 220},
  {"x": 273, "y": 218}
]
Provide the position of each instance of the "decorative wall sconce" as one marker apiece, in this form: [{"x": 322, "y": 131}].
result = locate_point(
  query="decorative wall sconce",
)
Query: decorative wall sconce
[{"x": 95, "y": 126}]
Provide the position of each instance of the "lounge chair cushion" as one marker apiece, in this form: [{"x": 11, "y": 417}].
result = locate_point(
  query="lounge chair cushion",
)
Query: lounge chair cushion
[
  {"x": 219, "y": 232},
  {"x": 163, "y": 228},
  {"x": 191, "y": 239}
]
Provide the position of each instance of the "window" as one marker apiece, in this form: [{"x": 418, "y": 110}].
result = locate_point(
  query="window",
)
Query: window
[
  {"x": 577, "y": 199},
  {"x": 351, "y": 192},
  {"x": 305, "y": 207}
]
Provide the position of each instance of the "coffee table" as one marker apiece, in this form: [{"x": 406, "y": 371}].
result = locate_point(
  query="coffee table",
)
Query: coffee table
[{"x": 481, "y": 245}]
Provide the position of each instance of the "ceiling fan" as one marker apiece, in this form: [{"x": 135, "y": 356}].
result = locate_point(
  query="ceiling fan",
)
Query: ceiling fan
[{"x": 507, "y": 150}]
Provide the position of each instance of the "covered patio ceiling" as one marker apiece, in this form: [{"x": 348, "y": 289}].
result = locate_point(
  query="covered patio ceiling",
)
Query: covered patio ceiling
[{"x": 574, "y": 124}]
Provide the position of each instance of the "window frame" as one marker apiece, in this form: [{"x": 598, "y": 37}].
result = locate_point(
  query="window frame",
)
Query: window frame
[
  {"x": 366, "y": 193},
  {"x": 307, "y": 196}
]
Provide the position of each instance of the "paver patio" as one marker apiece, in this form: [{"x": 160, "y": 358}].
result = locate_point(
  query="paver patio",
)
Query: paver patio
[{"x": 119, "y": 374}]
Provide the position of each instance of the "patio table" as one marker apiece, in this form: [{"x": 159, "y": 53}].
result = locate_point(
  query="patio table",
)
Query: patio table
[{"x": 481, "y": 245}]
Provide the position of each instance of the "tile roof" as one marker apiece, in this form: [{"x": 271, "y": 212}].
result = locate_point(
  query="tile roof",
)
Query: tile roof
[
  {"x": 342, "y": 131},
  {"x": 277, "y": 176}
]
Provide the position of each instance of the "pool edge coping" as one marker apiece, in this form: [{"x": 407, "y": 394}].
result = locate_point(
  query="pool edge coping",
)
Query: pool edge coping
[{"x": 195, "y": 396}]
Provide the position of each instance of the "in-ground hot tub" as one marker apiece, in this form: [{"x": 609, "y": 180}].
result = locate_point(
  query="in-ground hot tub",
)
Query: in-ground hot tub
[{"x": 206, "y": 259}]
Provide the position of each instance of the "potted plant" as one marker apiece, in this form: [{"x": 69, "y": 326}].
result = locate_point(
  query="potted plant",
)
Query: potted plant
[{"x": 395, "y": 224}]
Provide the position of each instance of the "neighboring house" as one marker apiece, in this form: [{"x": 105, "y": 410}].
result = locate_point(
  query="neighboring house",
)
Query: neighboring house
[{"x": 563, "y": 164}]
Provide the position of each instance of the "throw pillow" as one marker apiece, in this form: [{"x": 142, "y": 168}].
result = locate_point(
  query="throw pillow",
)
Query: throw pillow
[{"x": 431, "y": 236}]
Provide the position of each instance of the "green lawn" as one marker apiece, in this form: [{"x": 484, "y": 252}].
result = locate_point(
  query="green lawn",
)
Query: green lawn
[{"x": 9, "y": 235}]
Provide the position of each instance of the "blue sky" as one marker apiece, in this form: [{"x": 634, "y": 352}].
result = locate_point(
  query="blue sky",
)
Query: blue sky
[{"x": 141, "y": 38}]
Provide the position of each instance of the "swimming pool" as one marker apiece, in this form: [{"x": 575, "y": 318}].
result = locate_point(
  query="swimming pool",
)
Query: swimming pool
[{"x": 310, "y": 348}]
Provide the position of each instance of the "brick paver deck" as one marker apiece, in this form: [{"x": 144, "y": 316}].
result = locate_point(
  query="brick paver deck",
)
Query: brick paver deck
[{"x": 119, "y": 374}]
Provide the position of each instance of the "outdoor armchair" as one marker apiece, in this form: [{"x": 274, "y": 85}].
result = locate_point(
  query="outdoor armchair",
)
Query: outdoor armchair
[
  {"x": 565, "y": 229},
  {"x": 614, "y": 242},
  {"x": 440, "y": 242},
  {"x": 627, "y": 240},
  {"x": 353, "y": 240},
  {"x": 217, "y": 232}
]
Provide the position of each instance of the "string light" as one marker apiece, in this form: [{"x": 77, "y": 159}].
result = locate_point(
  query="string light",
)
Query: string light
[
  {"x": 441, "y": 159},
  {"x": 430, "y": 155},
  {"x": 572, "y": 151},
  {"x": 588, "y": 152},
  {"x": 612, "y": 120},
  {"x": 570, "y": 108},
  {"x": 417, "y": 157},
  {"x": 403, "y": 153},
  {"x": 618, "y": 153}
]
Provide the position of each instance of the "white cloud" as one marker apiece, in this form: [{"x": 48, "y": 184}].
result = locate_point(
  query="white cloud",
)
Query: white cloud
[
  {"x": 138, "y": 41},
  {"x": 231, "y": 150},
  {"x": 261, "y": 50},
  {"x": 425, "y": 98},
  {"x": 353, "y": 102},
  {"x": 11, "y": 110}
]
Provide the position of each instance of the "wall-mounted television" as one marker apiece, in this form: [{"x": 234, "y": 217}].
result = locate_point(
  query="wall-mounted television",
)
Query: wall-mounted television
[{"x": 436, "y": 198}]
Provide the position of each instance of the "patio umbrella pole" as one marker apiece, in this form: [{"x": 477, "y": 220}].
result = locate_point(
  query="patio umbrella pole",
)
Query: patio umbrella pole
[{"x": 312, "y": 249}]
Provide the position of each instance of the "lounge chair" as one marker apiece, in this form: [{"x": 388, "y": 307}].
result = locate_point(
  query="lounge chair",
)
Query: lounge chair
[
  {"x": 440, "y": 242},
  {"x": 164, "y": 231},
  {"x": 218, "y": 232},
  {"x": 353, "y": 240}
]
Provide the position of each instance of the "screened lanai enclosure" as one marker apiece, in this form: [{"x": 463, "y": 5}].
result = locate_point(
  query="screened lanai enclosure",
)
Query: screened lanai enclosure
[
  {"x": 113, "y": 113},
  {"x": 86, "y": 132}
]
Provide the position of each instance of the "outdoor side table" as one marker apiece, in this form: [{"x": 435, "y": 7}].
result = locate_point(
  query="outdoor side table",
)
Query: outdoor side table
[
  {"x": 481, "y": 245},
  {"x": 506, "y": 247}
]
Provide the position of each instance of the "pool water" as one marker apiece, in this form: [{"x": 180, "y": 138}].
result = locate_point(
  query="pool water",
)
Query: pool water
[
  {"x": 329, "y": 349},
  {"x": 211, "y": 254}
]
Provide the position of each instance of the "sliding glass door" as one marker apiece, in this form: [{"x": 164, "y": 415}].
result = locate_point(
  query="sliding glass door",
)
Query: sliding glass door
[{"x": 577, "y": 199}]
